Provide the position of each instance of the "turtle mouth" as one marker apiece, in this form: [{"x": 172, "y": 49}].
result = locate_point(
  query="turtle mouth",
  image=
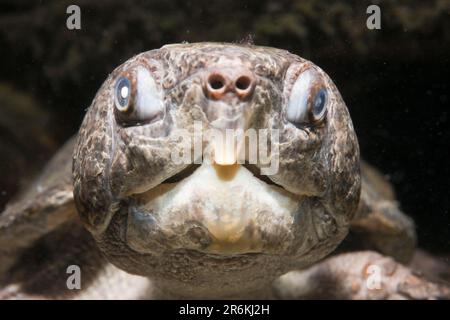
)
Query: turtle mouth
[
  {"x": 181, "y": 175},
  {"x": 186, "y": 172},
  {"x": 214, "y": 209}
]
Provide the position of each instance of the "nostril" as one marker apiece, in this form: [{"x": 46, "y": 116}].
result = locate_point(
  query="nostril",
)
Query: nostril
[
  {"x": 243, "y": 83},
  {"x": 216, "y": 82}
]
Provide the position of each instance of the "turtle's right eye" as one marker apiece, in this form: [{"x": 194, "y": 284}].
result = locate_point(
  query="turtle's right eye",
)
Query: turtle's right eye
[
  {"x": 138, "y": 99},
  {"x": 122, "y": 92}
]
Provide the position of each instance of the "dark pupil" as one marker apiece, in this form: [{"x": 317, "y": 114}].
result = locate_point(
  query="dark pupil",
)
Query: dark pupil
[
  {"x": 319, "y": 102},
  {"x": 123, "y": 82}
]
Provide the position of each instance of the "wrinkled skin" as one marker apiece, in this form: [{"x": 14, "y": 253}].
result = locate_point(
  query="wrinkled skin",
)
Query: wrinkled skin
[
  {"x": 212, "y": 229},
  {"x": 174, "y": 233}
]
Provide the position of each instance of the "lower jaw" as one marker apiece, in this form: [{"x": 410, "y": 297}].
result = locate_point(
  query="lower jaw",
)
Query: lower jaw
[
  {"x": 187, "y": 274},
  {"x": 177, "y": 291},
  {"x": 233, "y": 278},
  {"x": 193, "y": 274},
  {"x": 214, "y": 214}
]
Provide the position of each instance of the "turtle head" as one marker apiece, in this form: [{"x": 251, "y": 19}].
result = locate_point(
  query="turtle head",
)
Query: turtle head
[{"x": 216, "y": 166}]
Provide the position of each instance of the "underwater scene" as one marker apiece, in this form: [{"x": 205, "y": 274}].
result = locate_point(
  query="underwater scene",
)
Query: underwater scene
[{"x": 225, "y": 150}]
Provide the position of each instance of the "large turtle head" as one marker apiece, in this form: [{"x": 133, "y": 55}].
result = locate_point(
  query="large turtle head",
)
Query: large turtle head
[{"x": 166, "y": 196}]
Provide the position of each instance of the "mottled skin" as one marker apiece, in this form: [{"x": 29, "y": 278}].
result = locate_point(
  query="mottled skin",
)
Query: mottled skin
[
  {"x": 165, "y": 221},
  {"x": 319, "y": 164}
]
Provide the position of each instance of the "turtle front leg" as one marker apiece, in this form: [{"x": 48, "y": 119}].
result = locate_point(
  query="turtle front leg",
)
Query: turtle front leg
[
  {"x": 379, "y": 224},
  {"x": 44, "y": 206},
  {"x": 66, "y": 264},
  {"x": 358, "y": 275}
]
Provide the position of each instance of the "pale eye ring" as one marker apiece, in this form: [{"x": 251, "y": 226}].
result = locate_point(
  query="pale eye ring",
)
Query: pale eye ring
[
  {"x": 122, "y": 92},
  {"x": 308, "y": 99}
]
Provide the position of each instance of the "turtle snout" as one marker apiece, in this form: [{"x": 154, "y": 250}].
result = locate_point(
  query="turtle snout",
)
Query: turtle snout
[{"x": 237, "y": 81}]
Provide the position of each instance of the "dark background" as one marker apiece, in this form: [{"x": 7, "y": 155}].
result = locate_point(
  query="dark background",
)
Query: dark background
[{"x": 394, "y": 80}]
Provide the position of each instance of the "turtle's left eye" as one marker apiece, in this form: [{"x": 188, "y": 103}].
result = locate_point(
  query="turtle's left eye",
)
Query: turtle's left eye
[
  {"x": 308, "y": 99},
  {"x": 318, "y": 106}
]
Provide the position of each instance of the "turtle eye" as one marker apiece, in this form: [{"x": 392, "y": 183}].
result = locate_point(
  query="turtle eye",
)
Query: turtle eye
[
  {"x": 122, "y": 91},
  {"x": 308, "y": 99},
  {"x": 138, "y": 99},
  {"x": 318, "y": 107},
  {"x": 149, "y": 101}
]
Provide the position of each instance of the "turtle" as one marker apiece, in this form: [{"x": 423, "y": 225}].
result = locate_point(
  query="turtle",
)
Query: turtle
[{"x": 151, "y": 201}]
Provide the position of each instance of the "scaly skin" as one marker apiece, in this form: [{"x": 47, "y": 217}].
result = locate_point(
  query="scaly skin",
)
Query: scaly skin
[
  {"x": 176, "y": 240},
  {"x": 206, "y": 231}
]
